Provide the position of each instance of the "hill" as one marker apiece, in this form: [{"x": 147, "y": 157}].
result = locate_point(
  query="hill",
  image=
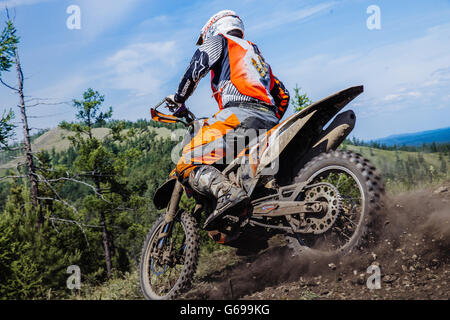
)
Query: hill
[
  {"x": 406, "y": 170},
  {"x": 57, "y": 139},
  {"x": 417, "y": 138}
]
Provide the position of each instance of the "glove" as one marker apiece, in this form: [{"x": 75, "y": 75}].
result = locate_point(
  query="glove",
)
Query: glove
[
  {"x": 172, "y": 104},
  {"x": 178, "y": 109}
]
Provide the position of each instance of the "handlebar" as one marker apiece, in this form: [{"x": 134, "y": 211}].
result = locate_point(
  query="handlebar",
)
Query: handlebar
[{"x": 177, "y": 115}]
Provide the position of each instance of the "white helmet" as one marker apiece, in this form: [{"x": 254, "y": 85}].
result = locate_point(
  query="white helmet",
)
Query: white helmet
[{"x": 222, "y": 22}]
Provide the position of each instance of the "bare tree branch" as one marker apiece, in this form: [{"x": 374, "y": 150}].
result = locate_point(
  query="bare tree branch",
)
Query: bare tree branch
[
  {"x": 12, "y": 177},
  {"x": 8, "y": 86}
]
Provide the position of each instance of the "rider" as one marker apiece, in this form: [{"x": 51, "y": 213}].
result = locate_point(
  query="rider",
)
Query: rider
[{"x": 250, "y": 97}]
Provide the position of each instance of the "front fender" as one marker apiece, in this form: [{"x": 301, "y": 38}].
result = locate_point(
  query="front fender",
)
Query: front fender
[{"x": 164, "y": 193}]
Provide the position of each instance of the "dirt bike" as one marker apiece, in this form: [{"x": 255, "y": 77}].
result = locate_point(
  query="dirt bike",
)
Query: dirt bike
[{"x": 318, "y": 197}]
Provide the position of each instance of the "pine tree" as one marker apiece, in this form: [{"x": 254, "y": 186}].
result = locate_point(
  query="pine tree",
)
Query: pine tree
[
  {"x": 300, "y": 101},
  {"x": 6, "y": 128},
  {"x": 96, "y": 164}
]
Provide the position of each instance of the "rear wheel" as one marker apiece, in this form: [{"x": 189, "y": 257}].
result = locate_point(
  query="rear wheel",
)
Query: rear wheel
[
  {"x": 359, "y": 192},
  {"x": 168, "y": 265}
]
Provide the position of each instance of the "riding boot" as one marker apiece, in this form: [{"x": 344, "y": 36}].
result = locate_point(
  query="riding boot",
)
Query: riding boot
[{"x": 210, "y": 182}]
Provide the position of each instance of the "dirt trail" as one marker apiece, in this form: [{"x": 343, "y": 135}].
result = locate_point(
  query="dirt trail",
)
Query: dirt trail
[{"x": 412, "y": 252}]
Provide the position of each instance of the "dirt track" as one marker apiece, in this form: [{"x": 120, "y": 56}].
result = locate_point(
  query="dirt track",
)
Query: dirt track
[{"x": 412, "y": 252}]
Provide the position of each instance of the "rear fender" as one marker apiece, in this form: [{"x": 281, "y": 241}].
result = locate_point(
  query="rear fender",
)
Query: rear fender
[{"x": 287, "y": 135}]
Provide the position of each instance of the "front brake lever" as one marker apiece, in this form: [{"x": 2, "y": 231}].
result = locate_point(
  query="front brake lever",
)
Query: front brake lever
[{"x": 159, "y": 104}]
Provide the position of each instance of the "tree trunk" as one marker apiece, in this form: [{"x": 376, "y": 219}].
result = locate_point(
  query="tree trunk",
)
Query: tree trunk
[
  {"x": 26, "y": 137},
  {"x": 106, "y": 236}
]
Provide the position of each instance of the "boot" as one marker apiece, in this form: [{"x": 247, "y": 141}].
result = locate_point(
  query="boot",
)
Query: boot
[{"x": 208, "y": 181}]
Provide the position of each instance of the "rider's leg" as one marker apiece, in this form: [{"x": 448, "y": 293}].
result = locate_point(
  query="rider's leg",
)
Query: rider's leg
[
  {"x": 209, "y": 181},
  {"x": 207, "y": 146}
]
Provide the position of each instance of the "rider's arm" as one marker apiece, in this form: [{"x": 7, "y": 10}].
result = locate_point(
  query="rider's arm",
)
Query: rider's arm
[
  {"x": 281, "y": 96},
  {"x": 204, "y": 59}
]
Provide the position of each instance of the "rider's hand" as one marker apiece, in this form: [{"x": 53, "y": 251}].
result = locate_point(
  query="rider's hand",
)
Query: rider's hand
[
  {"x": 172, "y": 104},
  {"x": 178, "y": 109}
]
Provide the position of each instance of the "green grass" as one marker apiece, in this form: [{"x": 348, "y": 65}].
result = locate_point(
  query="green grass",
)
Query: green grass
[
  {"x": 404, "y": 170},
  {"x": 121, "y": 287}
]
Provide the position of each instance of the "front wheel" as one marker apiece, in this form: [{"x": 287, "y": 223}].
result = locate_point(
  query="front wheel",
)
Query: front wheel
[
  {"x": 359, "y": 194},
  {"x": 168, "y": 263}
]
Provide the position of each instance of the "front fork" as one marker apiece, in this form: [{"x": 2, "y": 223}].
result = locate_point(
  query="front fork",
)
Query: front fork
[{"x": 172, "y": 210}]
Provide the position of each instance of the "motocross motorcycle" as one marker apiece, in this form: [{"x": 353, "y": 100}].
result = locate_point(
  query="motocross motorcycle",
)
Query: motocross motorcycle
[{"x": 319, "y": 198}]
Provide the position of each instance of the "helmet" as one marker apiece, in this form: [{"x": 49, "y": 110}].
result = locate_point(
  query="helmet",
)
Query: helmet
[{"x": 222, "y": 22}]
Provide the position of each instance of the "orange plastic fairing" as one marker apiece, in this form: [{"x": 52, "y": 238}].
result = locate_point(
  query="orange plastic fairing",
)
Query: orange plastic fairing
[{"x": 161, "y": 117}]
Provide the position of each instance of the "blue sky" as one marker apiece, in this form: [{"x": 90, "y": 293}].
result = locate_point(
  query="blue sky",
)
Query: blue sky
[{"x": 135, "y": 52}]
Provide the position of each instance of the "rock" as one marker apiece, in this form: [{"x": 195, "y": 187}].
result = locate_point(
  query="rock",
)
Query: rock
[
  {"x": 440, "y": 190},
  {"x": 311, "y": 283},
  {"x": 414, "y": 257},
  {"x": 374, "y": 256},
  {"x": 389, "y": 278},
  {"x": 361, "y": 279},
  {"x": 332, "y": 266},
  {"x": 435, "y": 263}
]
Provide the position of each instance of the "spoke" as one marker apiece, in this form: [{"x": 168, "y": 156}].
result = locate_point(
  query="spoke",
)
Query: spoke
[
  {"x": 339, "y": 182},
  {"x": 349, "y": 220},
  {"x": 342, "y": 233}
]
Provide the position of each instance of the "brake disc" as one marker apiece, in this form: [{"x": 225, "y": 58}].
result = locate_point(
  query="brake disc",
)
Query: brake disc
[{"x": 318, "y": 223}]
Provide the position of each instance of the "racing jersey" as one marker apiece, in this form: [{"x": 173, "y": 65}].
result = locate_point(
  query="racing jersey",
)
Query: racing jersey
[{"x": 239, "y": 74}]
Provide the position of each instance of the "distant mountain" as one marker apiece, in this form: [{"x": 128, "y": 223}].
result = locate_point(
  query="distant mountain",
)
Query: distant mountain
[{"x": 417, "y": 138}]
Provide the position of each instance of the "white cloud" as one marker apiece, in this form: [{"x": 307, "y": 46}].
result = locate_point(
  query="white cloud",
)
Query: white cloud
[
  {"x": 17, "y": 3},
  {"x": 142, "y": 68},
  {"x": 401, "y": 96},
  {"x": 405, "y": 83},
  {"x": 274, "y": 20},
  {"x": 101, "y": 15},
  {"x": 391, "y": 72}
]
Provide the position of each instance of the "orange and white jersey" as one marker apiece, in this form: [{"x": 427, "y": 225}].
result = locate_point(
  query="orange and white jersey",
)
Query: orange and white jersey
[
  {"x": 239, "y": 74},
  {"x": 248, "y": 72}
]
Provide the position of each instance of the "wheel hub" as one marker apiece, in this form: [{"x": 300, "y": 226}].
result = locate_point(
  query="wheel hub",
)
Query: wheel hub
[{"x": 328, "y": 196}]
